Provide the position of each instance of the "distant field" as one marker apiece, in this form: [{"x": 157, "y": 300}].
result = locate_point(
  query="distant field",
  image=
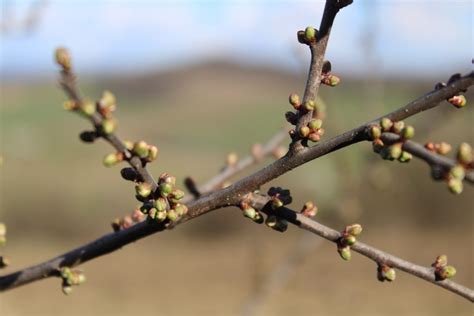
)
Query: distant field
[{"x": 55, "y": 194}]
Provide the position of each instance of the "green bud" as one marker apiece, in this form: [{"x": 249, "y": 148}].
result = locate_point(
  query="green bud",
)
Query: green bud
[
  {"x": 388, "y": 273},
  {"x": 172, "y": 215},
  {"x": 447, "y": 272},
  {"x": 455, "y": 186},
  {"x": 160, "y": 204},
  {"x": 276, "y": 203},
  {"x": 152, "y": 213},
  {"x": 304, "y": 131},
  {"x": 464, "y": 154},
  {"x": 405, "y": 156},
  {"x": 88, "y": 108},
  {"x": 375, "y": 132},
  {"x": 143, "y": 189},
  {"x": 345, "y": 252},
  {"x": 166, "y": 178},
  {"x": 398, "y": 127},
  {"x": 395, "y": 151},
  {"x": 108, "y": 100},
  {"x": 332, "y": 80},
  {"x": 161, "y": 216},
  {"x": 457, "y": 172},
  {"x": 295, "y": 100},
  {"x": 108, "y": 126},
  {"x": 310, "y": 34},
  {"x": 386, "y": 124},
  {"x": 309, "y": 105},
  {"x": 141, "y": 149},
  {"x": 441, "y": 261},
  {"x": 70, "y": 105},
  {"x": 181, "y": 209},
  {"x": 250, "y": 212},
  {"x": 314, "y": 124},
  {"x": 128, "y": 144},
  {"x": 65, "y": 272},
  {"x": 349, "y": 240},
  {"x": 112, "y": 159},
  {"x": 81, "y": 278},
  {"x": 354, "y": 229},
  {"x": 177, "y": 194},
  {"x": 408, "y": 132},
  {"x": 166, "y": 189}
]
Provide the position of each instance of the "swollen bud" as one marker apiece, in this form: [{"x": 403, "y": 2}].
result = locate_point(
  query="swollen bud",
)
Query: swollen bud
[
  {"x": 172, "y": 215},
  {"x": 398, "y": 127},
  {"x": 63, "y": 58},
  {"x": 331, "y": 80},
  {"x": 408, "y": 132},
  {"x": 295, "y": 100},
  {"x": 141, "y": 149},
  {"x": 249, "y": 212},
  {"x": 457, "y": 172},
  {"x": 395, "y": 151},
  {"x": 443, "y": 148},
  {"x": 304, "y": 131},
  {"x": 310, "y": 34},
  {"x": 344, "y": 252},
  {"x": 108, "y": 126},
  {"x": 405, "y": 157},
  {"x": 112, "y": 159},
  {"x": 458, "y": 101},
  {"x": 153, "y": 153},
  {"x": 455, "y": 186},
  {"x": 354, "y": 229},
  {"x": 386, "y": 124},
  {"x": 108, "y": 100},
  {"x": 464, "y": 154},
  {"x": 375, "y": 132},
  {"x": 143, "y": 189},
  {"x": 87, "y": 108},
  {"x": 446, "y": 272},
  {"x": 315, "y": 124},
  {"x": 309, "y": 105}
]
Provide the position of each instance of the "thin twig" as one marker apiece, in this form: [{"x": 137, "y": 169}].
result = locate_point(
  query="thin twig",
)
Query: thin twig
[{"x": 379, "y": 256}]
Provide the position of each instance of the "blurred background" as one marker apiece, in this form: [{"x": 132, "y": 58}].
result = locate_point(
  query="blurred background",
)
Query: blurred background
[{"x": 203, "y": 78}]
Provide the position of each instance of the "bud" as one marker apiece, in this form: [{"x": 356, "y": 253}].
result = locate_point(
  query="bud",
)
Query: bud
[
  {"x": 388, "y": 273},
  {"x": 354, "y": 229},
  {"x": 160, "y": 204},
  {"x": 88, "y": 136},
  {"x": 70, "y": 105},
  {"x": 464, "y": 154},
  {"x": 309, "y": 209},
  {"x": 108, "y": 126},
  {"x": 314, "y": 137},
  {"x": 108, "y": 100},
  {"x": 143, "y": 189},
  {"x": 398, "y": 127},
  {"x": 181, "y": 209},
  {"x": 295, "y": 100},
  {"x": 331, "y": 80},
  {"x": 315, "y": 124},
  {"x": 63, "y": 58},
  {"x": 386, "y": 124},
  {"x": 167, "y": 178},
  {"x": 301, "y": 37},
  {"x": 455, "y": 186},
  {"x": 128, "y": 144},
  {"x": 176, "y": 195},
  {"x": 231, "y": 159},
  {"x": 141, "y": 149},
  {"x": 161, "y": 216},
  {"x": 377, "y": 145},
  {"x": 344, "y": 252},
  {"x": 304, "y": 131},
  {"x": 129, "y": 174},
  {"x": 440, "y": 261},
  {"x": 291, "y": 118},
  {"x": 172, "y": 215},
  {"x": 309, "y": 105},
  {"x": 250, "y": 212},
  {"x": 375, "y": 132},
  {"x": 348, "y": 240},
  {"x": 88, "y": 108},
  {"x": 405, "y": 157},
  {"x": 443, "y": 148},
  {"x": 458, "y": 101},
  {"x": 112, "y": 159},
  {"x": 408, "y": 132},
  {"x": 276, "y": 203},
  {"x": 395, "y": 151},
  {"x": 430, "y": 146},
  {"x": 67, "y": 289},
  {"x": 166, "y": 189},
  {"x": 457, "y": 172},
  {"x": 310, "y": 34},
  {"x": 446, "y": 272},
  {"x": 152, "y": 153}
]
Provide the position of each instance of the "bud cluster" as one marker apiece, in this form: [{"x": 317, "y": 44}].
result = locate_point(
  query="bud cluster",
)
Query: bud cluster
[
  {"x": 71, "y": 277},
  {"x": 164, "y": 203},
  {"x": 392, "y": 151},
  {"x": 456, "y": 174},
  {"x": 385, "y": 273},
  {"x": 313, "y": 130},
  {"x": 347, "y": 239},
  {"x": 441, "y": 268}
]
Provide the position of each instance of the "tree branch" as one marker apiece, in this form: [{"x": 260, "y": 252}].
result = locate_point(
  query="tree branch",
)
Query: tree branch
[
  {"x": 233, "y": 194},
  {"x": 378, "y": 256}
]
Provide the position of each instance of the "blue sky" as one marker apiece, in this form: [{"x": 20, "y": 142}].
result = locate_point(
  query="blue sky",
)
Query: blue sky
[{"x": 419, "y": 37}]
